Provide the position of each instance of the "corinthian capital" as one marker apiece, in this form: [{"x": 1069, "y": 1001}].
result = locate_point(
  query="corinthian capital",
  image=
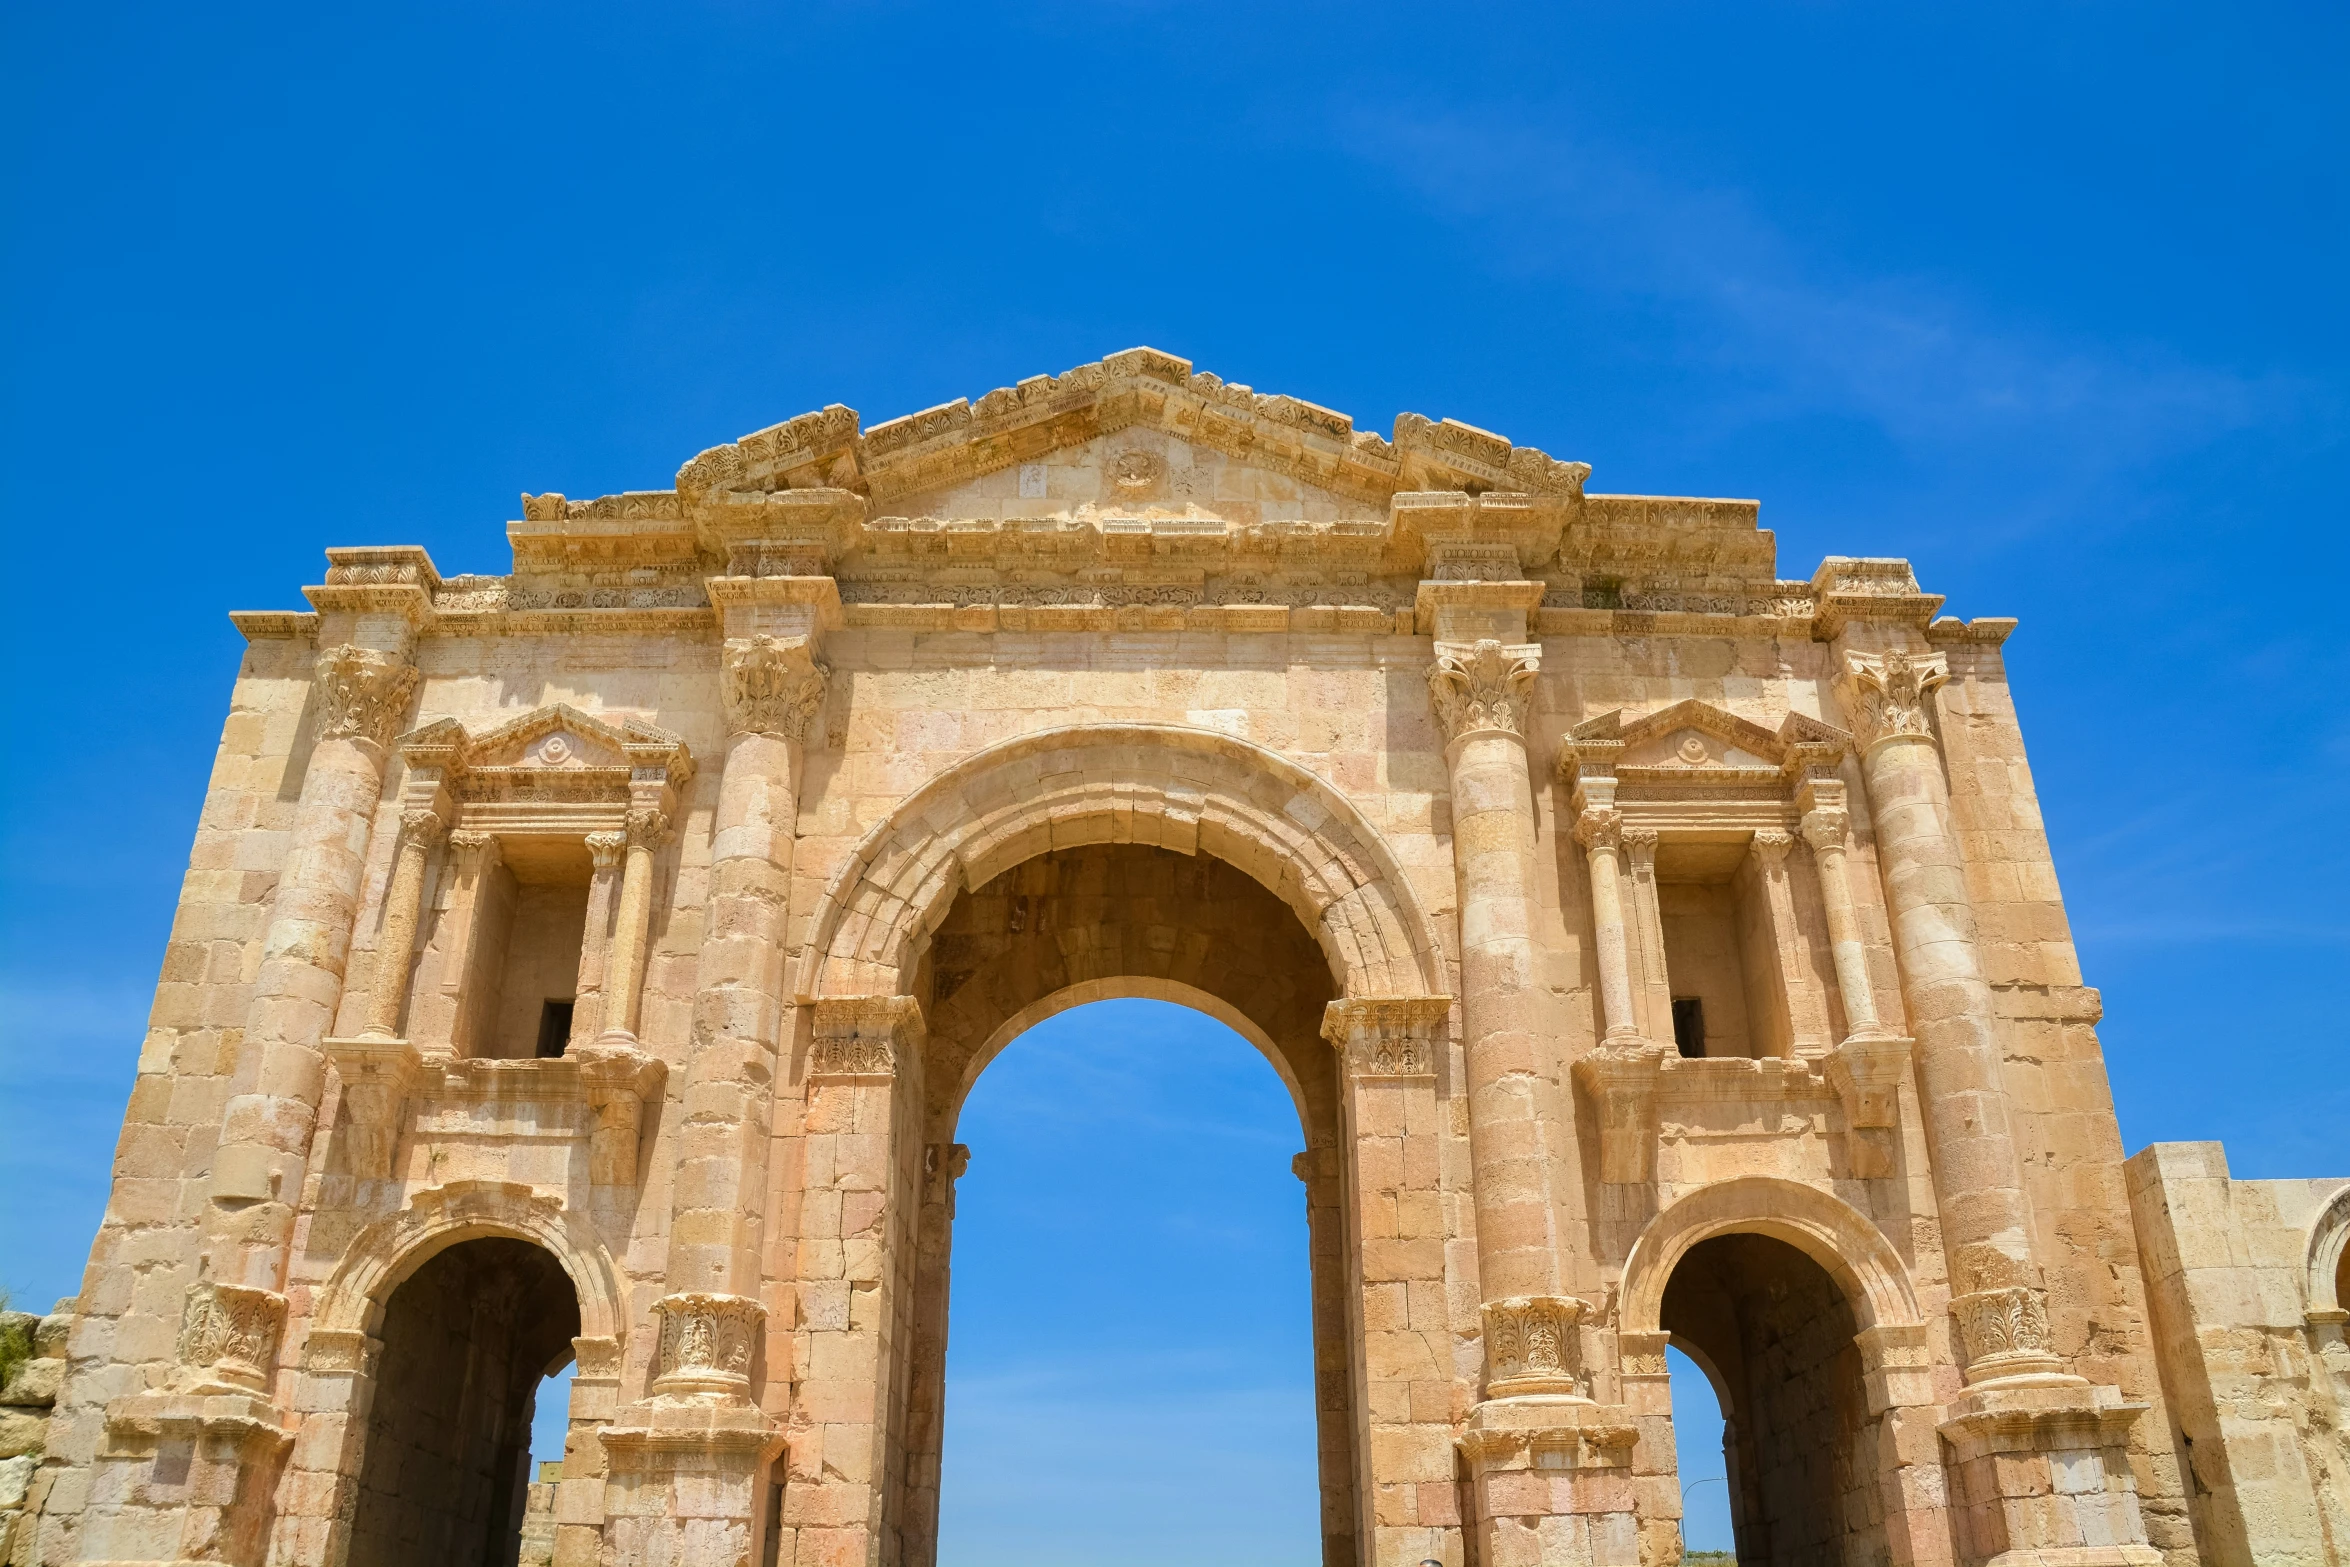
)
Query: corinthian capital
[
  {"x": 773, "y": 685},
  {"x": 362, "y": 694},
  {"x": 1886, "y": 693},
  {"x": 1482, "y": 685}
]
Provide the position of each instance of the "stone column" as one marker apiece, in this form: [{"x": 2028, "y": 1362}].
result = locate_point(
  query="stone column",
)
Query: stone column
[
  {"x": 395, "y": 950},
  {"x": 605, "y": 852},
  {"x": 624, "y": 970},
  {"x": 1824, "y": 828},
  {"x": 362, "y": 695},
  {"x": 1600, "y": 830},
  {"x": 1652, "y": 987},
  {"x": 1621, "y": 1074},
  {"x": 1549, "y": 1469},
  {"x": 1978, "y": 1175}
]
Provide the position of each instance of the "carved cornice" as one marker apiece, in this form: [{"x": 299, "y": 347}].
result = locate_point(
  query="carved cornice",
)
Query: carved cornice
[
  {"x": 1534, "y": 1344},
  {"x": 1387, "y": 1036},
  {"x": 362, "y": 694},
  {"x": 1886, "y": 693},
  {"x": 772, "y": 686},
  {"x": 1483, "y": 686},
  {"x": 862, "y": 1036}
]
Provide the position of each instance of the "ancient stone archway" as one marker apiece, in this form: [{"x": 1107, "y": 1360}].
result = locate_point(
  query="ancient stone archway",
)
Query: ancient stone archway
[{"x": 1437, "y": 773}]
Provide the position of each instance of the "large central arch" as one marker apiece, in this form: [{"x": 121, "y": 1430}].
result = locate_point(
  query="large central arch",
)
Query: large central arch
[{"x": 1168, "y": 786}]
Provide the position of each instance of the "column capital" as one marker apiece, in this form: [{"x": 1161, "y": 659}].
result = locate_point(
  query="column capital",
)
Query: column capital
[
  {"x": 1484, "y": 686},
  {"x": 421, "y": 826},
  {"x": 707, "y": 1341},
  {"x": 228, "y": 1338},
  {"x": 1534, "y": 1344},
  {"x": 1640, "y": 843},
  {"x": 647, "y": 827},
  {"x": 1771, "y": 846},
  {"x": 1826, "y": 827},
  {"x": 605, "y": 849},
  {"x": 772, "y": 685},
  {"x": 2004, "y": 1333},
  {"x": 1597, "y": 828},
  {"x": 471, "y": 844},
  {"x": 1387, "y": 1036},
  {"x": 1886, "y": 693},
  {"x": 362, "y": 694}
]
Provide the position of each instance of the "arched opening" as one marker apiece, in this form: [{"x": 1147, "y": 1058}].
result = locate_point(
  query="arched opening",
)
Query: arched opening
[
  {"x": 1128, "y": 920},
  {"x": 1776, "y": 1338},
  {"x": 468, "y": 1339},
  {"x": 1132, "y": 1311}
]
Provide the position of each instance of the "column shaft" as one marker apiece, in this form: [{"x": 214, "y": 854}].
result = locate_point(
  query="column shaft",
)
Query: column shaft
[
  {"x": 1599, "y": 832},
  {"x": 267, "y": 1123},
  {"x": 395, "y": 948},
  {"x": 624, "y": 973},
  {"x": 605, "y": 853},
  {"x": 1824, "y": 831}
]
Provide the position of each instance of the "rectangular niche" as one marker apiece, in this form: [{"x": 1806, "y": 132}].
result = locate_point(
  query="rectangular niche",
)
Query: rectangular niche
[
  {"x": 530, "y": 919},
  {"x": 1721, "y": 958}
]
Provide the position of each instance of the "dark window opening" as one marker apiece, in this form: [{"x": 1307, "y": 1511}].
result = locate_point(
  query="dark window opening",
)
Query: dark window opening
[
  {"x": 555, "y": 1027},
  {"x": 1689, "y": 1025}
]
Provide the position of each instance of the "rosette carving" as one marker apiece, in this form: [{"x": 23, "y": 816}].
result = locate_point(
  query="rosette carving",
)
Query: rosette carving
[
  {"x": 1886, "y": 694},
  {"x": 1483, "y": 685},
  {"x": 1534, "y": 1344},
  {"x": 229, "y": 1333},
  {"x": 362, "y": 694},
  {"x": 706, "y": 1343},
  {"x": 773, "y": 685}
]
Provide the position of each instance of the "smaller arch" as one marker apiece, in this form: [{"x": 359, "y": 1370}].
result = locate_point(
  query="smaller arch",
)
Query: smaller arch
[
  {"x": 384, "y": 1254},
  {"x": 1135, "y": 987},
  {"x": 1824, "y": 1228},
  {"x": 2329, "y": 1238}
]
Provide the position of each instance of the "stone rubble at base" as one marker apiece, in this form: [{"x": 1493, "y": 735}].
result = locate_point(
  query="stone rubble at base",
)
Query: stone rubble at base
[{"x": 1658, "y": 951}]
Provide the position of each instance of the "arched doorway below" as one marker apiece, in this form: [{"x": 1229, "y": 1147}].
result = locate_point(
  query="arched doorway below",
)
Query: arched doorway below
[
  {"x": 467, "y": 1340},
  {"x": 1775, "y": 1336},
  {"x": 1131, "y": 1375}
]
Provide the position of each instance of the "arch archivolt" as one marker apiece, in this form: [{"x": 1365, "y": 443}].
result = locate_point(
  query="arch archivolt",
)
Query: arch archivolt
[
  {"x": 1822, "y": 1226},
  {"x": 1167, "y": 786},
  {"x": 2329, "y": 1238},
  {"x": 439, "y": 1217}
]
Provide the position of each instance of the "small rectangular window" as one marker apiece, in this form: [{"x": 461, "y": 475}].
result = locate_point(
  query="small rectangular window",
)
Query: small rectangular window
[
  {"x": 1689, "y": 1025},
  {"x": 555, "y": 1027}
]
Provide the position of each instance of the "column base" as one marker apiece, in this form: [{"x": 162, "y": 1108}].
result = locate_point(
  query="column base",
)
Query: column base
[
  {"x": 686, "y": 1482},
  {"x": 192, "y": 1484},
  {"x": 2040, "y": 1475},
  {"x": 1551, "y": 1482}
]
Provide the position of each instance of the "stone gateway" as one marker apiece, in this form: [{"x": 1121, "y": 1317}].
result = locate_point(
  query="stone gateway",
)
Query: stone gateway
[{"x": 588, "y": 965}]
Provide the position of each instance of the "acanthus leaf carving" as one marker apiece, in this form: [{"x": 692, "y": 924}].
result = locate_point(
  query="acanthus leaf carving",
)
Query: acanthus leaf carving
[
  {"x": 1886, "y": 693},
  {"x": 1534, "y": 1344},
  {"x": 2005, "y": 1332},
  {"x": 362, "y": 693},
  {"x": 1387, "y": 1036},
  {"x": 707, "y": 1343},
  {"x": 229, "y": 1335},
  {"x": 1486, "y": 685},
  {"x": 773, "y": 685}
]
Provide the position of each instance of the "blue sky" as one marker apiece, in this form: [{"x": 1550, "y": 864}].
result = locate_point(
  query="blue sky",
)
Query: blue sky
[{"x": 2045, "y": 297}]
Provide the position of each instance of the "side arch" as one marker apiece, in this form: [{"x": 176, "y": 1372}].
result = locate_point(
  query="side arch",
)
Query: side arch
[
  {"x": 1166, "y": 785},
  {"x": 2329, "y": 1237},
  {"x": 385, "y": 1253},
  {"x": 1823, "y": 1227}
]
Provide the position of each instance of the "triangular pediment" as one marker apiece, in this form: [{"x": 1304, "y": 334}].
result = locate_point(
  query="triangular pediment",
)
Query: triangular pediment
[
  {"x": 555, "y": 738},
  {"x": 1698, "y": 738}
]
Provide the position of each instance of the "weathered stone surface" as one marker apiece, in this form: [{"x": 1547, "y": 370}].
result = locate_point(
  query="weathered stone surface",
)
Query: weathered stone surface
[{"x": 589, "y": 963}]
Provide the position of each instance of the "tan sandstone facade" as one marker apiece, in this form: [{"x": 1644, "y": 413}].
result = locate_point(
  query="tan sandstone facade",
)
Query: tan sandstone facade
[{"x": 589, "y": 964}]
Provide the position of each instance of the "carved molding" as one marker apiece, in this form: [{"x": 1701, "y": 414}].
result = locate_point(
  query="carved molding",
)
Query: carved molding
[
  {"x": 1622, "y": 1085},
  {"x": 1483, "y": 686},
  {"x": 707, "y": 1343},
  {"x": 1534, "y": 1344},
  {"x": 772, "y": 685},
  {"x": 378, "y": 1078},
  {"x": 229, "y": 1336},
  {"x": 1886, "y": 693},
  {"x": 1387, "y": 1036},
  {"x": 362, "y": 694},
  {"x": 860, "y": 1036}
]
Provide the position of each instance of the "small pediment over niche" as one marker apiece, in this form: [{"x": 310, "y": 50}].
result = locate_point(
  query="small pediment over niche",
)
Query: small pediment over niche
[
  {"x": 1699, "y": 741},
  {"x": 557, "y": 738}
]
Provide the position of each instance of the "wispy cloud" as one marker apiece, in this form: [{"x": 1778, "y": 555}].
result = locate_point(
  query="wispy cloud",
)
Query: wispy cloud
[{"x": 1789, "y": 331}]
